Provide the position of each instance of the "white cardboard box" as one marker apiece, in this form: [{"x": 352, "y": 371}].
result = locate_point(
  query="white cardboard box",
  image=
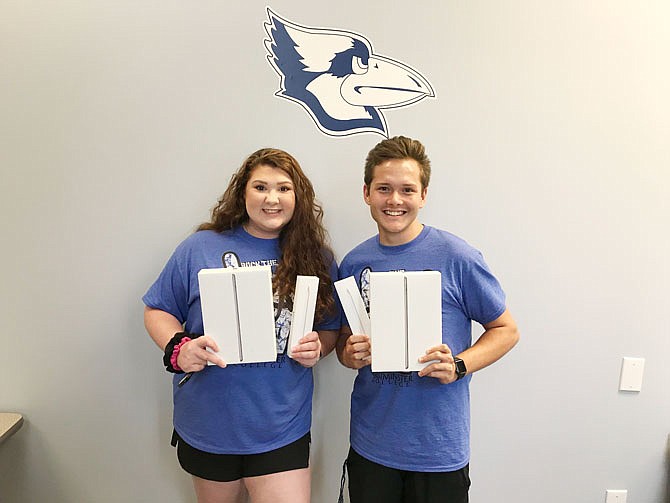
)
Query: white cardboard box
[
  {"x": 238, "y": 312},
  {"x": 353, "y": 305},
  {"x": 405, "y": 318},
  {"x": 304, "y": 306}
]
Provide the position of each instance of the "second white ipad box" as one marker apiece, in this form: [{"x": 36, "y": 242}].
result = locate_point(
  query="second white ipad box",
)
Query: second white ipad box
[
  {"x": 353, "y": 305},
  {"x": 405, "y": 318},
  {"x": 304, "y": 306}
]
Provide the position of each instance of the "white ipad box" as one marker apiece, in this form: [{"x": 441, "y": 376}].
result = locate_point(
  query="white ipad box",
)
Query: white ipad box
[
  {"x": 238, "y": 312},
  {"x": 353, "y": 305},
  {"x": 405, "y": 318},
  {"x": 304, "y": 306}
]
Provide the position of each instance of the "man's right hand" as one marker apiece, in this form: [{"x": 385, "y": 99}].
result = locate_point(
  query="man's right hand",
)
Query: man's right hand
[{"x": 356, "y": 352}]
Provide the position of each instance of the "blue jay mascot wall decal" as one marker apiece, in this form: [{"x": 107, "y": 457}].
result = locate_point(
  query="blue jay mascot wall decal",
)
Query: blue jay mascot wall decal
[{"x": 337, "y": 78}]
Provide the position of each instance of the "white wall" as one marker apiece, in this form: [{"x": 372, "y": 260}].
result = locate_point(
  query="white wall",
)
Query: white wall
[{"x": 121, "y": 122}]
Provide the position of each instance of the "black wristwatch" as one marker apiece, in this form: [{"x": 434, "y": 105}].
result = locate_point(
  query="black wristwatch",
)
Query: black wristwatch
[{"x": 461, "y": 369}]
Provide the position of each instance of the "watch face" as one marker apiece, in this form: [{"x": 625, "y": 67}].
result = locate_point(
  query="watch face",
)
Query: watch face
[{"x": 460, "y": 367}]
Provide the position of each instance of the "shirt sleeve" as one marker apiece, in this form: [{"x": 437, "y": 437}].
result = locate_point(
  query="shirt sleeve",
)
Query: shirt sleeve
[
  {"x": 482, "y": 296},
  {"x": 170, "y": 291}
]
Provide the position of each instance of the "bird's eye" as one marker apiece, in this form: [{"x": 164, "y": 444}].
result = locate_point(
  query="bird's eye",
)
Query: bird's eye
[{"x": 358, "y": 66}]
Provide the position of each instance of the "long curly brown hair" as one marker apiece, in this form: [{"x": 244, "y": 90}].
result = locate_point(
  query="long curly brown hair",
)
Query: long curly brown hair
[{"x": 302, "y": 242}]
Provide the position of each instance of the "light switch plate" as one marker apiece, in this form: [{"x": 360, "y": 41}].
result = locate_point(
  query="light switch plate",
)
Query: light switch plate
[{"x": 632, "y": 370}]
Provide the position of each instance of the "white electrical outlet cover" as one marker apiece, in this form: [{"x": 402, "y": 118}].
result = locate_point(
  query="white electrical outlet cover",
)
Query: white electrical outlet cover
[
  {"x": 616, "y": 496},
  {"x": 632, "y": 370}
]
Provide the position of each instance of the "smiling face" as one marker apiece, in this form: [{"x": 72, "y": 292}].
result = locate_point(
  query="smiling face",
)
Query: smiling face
[
  {"x": 270, "y": 201},
  {"x": 395, "y": 196}
]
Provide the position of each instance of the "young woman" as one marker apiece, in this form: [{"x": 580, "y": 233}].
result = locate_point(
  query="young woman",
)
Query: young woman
[{"x": 244, "y": 428}]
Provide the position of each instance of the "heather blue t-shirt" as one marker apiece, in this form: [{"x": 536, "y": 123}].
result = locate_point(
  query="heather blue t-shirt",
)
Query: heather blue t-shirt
[
  {"x": 399, "y": 419},
  {"x": 243, "y": 408}
]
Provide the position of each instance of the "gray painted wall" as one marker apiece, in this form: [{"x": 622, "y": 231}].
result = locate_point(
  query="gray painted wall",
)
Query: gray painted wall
[{"x": 122, "y": 121}]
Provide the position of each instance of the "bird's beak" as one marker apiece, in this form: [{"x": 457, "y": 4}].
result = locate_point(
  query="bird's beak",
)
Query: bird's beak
[{"x": 386, "y": 84}]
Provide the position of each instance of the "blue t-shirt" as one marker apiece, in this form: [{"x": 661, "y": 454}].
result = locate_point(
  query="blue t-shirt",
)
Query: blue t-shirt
[
  {"x": 399, "y": 419},
  {"x": 243, "y": 408}
]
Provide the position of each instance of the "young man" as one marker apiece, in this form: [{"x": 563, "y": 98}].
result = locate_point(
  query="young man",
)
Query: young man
[{"x": 410, "y": 431}]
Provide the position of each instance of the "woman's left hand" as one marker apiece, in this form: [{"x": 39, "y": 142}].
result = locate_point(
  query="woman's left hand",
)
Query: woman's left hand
[{"x": 308, "y": 350}]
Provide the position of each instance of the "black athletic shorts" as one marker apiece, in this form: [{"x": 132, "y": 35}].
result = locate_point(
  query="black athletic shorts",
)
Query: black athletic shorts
[
  {"x": 229, "y": 467},
  {"x": 370, "y": 482}
]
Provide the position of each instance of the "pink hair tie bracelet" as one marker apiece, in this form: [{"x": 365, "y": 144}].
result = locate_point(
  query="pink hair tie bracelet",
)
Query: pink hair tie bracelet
[
  {"x": 175, "y": 354},
  {"x": 172, "y": 350}
]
